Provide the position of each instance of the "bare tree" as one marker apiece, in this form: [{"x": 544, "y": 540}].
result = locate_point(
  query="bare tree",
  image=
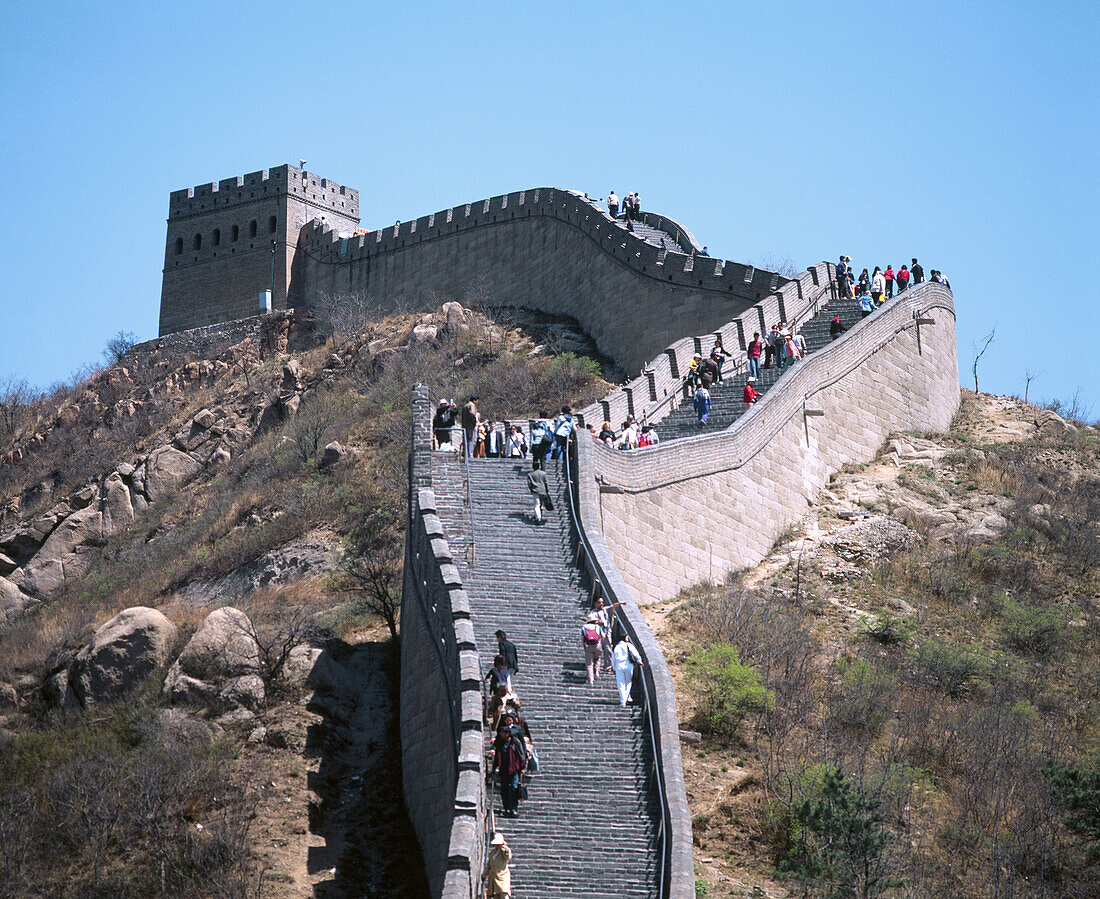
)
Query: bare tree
[
  {"x": 986, "y": 341},
  {"x": 1029, "y": 376},
  {"x": 374, "y": 563},
  {"x": 347, "y": 314},
  {"x": 118, "y": 346},
  {"x": 16, "y": 402},
  {"x": 781, "y": 265}
]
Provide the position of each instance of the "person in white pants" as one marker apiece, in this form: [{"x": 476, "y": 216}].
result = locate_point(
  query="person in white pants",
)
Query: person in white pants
[{"x": 624, "y": 655}]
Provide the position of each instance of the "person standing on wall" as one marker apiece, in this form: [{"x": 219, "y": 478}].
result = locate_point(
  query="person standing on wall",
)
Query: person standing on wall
[
  {"x": 756, "y": 347},
  {"x": 889, "y": 276},
  {"x": 507, "y": 650},
  {"x": 878, "y": 287},
  {"x": 624, "y": 656},
  {"x": 509, "y": 758},
  {"x": 604, "y": 612},
  {"x": 470, "y": 420},
  {"x": 539, "y": 487},
  {"x": 613, "y": 205},
  {"x": 842, "y": 278},
  {"x": 917, "y": 272},
  {"x": 497, "y": 875},
  {"x": 563, "y": 428},
  {"x": 443, "y": 421},
  {"x": 592, "y": 640},
  {"x": 902, "y": 277},
  {"x": 542, "y": 439}
]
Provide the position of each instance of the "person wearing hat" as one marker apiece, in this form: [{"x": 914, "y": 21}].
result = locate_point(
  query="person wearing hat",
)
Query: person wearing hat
[
  {"x": 750, "y": 395},
  {"x": 591, "y": 640},
  {"x": 443, "y": 421},
  {"x": 497, "y": 877},
  {"x": 836, "y": 328}
]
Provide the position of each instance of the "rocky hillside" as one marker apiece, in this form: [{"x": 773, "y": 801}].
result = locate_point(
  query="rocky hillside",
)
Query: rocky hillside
[
  {"x": 902, "y": 699},
  {"x": 198, "y": 553}
]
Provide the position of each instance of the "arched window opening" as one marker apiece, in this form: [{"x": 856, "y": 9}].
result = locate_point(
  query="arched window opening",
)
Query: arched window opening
[
  {"x": 235, "y": 233},
  {"x": 252, "y": 228},
  {"x": 198, "y": 242},
  {"x": 179, "y": 246},
  {"x": 217, "y": 237},
  {"x": 271, "y": 224}
]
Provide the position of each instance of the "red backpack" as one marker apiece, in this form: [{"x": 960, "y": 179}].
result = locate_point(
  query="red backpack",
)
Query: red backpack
[{"x": 591, "y": 635}]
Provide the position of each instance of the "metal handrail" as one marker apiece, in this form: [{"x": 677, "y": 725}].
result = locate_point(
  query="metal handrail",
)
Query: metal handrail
[{"x": 650, "y": 700}]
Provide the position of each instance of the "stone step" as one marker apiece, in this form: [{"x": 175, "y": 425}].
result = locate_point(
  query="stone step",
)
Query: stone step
[{"x": 596, "y": 787}]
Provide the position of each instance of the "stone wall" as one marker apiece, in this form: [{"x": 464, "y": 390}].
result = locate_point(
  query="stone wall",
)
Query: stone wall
[
  {"x": 695, "y": 509},
  {"x": 441, "y": 713},
  {"x": 545, "y": 249},
  {"x": 218, "y": 253}
]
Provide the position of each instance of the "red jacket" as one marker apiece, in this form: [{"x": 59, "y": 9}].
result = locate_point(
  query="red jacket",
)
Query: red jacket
[
  {"x": 750, "y": 395},
  {"x": 756, "y": 347}
]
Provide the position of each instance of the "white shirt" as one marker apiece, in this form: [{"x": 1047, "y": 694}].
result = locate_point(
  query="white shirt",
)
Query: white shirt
[{"x": 625, "y": 654}]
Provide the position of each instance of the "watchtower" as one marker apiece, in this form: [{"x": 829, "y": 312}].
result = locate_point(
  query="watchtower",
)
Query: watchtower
[{"x": 229, "y": 240}]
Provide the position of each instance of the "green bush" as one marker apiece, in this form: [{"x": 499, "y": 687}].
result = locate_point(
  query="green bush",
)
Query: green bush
[
  {"x": 949, "y": 666},
  {"x": 1032, "y": 629},
  {"x": 727, "y": 689},
  {"x": 861, "y": 698},
  {"x": 1076, "y": 790},
  {"x": 888, "y": 629}
]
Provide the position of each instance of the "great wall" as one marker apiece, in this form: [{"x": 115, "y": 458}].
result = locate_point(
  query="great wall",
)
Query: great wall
[{"x": 633, "y": 526}]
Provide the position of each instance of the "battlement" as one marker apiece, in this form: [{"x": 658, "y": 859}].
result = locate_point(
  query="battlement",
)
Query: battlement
[{"x": 266, "y": 184}]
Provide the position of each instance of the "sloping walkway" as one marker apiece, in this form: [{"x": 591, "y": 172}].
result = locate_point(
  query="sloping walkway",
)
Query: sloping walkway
[{"x": 589, "y": 826}]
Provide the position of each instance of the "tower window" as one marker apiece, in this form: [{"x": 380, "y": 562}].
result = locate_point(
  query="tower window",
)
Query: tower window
[
  {"x": 271, "y": 224},
  {"x": 217, "y": 237},
  {"x": 198, "y": 242},
  {"x": 252, "y": 228},
  {"x": 179, "y": 246},
  {"x": 235, "y": 233}
]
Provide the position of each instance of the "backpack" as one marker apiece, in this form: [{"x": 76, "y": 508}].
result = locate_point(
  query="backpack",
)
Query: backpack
[
  {"x": 645, "y": 439},
  {"x": 538, "y": 433},
  {"x": 565, "y": 426},
  {"x": 591, "y": 635},
  {"x": 514, "y": 756}
]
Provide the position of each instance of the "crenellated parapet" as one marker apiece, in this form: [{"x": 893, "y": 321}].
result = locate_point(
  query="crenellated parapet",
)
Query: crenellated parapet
[{"x": 302, "y": 185}]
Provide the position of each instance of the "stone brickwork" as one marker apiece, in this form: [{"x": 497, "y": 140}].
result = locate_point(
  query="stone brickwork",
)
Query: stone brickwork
[
  {"x": 545, "y": 249},
  {"x": 658, "y": 390},
  {"x": 229, "y": 240},
  {"x": 441, "y": 714},
  {"x": 679, "y": 513}
]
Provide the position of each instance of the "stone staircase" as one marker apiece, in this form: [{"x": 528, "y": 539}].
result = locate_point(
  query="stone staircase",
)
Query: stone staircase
[
  {"x": 652, "y": 235},
  {"x": 589, "y": 827},
  {"x": 726, "y": 398}
]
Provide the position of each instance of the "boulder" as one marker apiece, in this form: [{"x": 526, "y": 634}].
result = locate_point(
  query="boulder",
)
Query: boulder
[
  {"x": 126, "y": 469},
  {"x": 56, "y": 691},
  {"x": 165, "y": 469},
  {"x": 127, "y": 649},
  {"x": 223, "y": 647},
  {"x": 79, "y": 528},
  {"x": 244, "y": 692},
  {"x": 422, "y": 334},
  {"x": 292, "y": 375},
  {"x": 220, "y": 457},
  {"x": 455, "y": 316},
  {"x": 1051, "y": 424},
  {"x": 299, "y": 666},
  {"x": 9, "y": 698},
  {"x": 204, "y": 419},
  {"x": 335, "y": 453},
  {"x": 290, "y": 406},
  {"x": 118, "y": 508},
  {"x": 12, "y": 599}
]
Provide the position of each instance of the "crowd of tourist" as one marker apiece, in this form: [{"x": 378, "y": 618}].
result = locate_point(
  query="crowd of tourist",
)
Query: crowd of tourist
[{"x": 881, "y": 284}]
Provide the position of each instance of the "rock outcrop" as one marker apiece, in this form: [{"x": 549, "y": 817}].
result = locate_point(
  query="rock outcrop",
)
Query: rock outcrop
[
  {"x": 219, "y": 665},
  {"x": 126, "y": 650}
]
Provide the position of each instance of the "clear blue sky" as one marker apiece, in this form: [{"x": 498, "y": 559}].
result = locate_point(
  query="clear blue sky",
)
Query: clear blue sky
[{"x": 961, "y": 133}]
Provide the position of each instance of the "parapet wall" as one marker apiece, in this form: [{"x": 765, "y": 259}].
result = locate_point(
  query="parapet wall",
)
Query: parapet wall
[
  {"x": 302, "y": 185},
  {"x": 657, "y": 391},
  {"x": 441, "y": 714},
  {"x": 546, "y": 249},
  {"x": 677, "y": 514}
]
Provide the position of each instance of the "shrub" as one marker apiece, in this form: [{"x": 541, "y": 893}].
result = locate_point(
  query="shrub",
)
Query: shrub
[
  {"x": 1030, "y": 628},
  {"x": 1076, "y": 790},
  {"x": 887, "y": 628},
  {"x": 837, "y": 837},
  {"x": 949, "y": 666},
  {"x": 861, "y": 698},
  {"x": 728, "y": 690}
]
